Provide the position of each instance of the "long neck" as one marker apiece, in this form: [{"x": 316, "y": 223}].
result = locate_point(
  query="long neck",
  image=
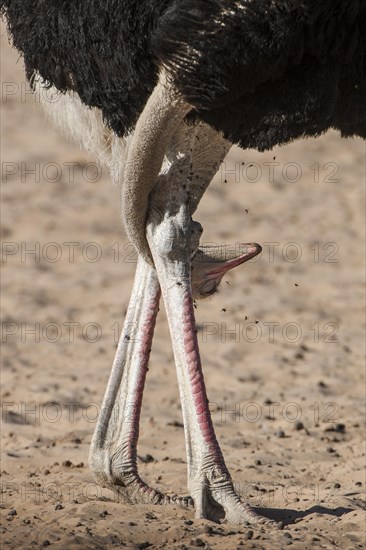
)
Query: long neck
[{"x": 161, "y": 116}]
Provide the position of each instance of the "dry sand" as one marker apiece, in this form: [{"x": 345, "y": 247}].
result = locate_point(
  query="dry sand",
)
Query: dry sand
[{"x": 295, "y": 350}]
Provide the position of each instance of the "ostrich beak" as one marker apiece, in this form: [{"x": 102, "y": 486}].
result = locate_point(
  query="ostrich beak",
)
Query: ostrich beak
[{"x": 210, "y": 264}]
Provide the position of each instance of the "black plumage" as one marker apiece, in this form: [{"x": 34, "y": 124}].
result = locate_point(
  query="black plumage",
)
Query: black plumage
[{"x": 262, "y": 71}]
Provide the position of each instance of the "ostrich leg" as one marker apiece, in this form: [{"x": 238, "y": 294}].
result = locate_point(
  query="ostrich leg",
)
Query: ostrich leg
[
  {"x": 113, "y": 456},
  {"x": 209, "y": 480}
]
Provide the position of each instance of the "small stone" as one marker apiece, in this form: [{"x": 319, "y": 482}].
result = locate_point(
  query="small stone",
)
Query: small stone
[
  {"x": 280, "y": 434},
  {"x": 287, "y": 535},
  {"x": 299, "y": 426},
  {"x": 146, "y": 459},
  {"x": 197, "y": 542},
  {"x": 258, "y": 463},
  {"x": 59, "y": 507},
  {"x": 188, "y": 522},
  {"x": 206, "y": 530},
  {"x": 46, "y": 543},
  {"x": 12, "y": 513},
  {"x": 337, "y": 486},
  {"x": 67, "y": 463},
  {"x": 249, "y": 535}
]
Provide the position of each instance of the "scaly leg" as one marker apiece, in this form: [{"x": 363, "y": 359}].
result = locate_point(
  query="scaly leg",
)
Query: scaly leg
[{"x": 113, "y": 453}]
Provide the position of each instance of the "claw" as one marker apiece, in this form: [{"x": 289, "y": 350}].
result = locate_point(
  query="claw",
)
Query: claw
[{"x": 139, "y": 492}]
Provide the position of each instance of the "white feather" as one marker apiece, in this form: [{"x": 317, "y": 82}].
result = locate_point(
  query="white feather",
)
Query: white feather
[{"x": 85, "y": 126}]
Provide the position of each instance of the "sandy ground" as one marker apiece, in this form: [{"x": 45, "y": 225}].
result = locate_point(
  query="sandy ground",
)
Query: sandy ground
[{"x": 282, "y": 345}]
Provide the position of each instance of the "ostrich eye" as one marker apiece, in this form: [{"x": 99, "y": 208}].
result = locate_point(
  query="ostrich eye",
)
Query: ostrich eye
[{"x": 208, "y": 288}]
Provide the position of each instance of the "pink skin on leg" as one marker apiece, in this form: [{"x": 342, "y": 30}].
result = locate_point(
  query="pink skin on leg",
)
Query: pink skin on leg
[
  {"x": 130, "y": 431},
  {"x": 113, "y": 453},
  {"x": 198, "y": 387}
]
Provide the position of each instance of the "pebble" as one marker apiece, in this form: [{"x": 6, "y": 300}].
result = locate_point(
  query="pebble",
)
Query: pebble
[
  {"x": 146, "y": 459},
  {"x": 197, "y": 542},
  {"x": 206, "y": 530}
]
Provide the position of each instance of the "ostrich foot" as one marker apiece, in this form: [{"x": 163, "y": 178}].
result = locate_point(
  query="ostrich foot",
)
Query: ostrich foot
[
  {"x": 216, "y": 500},
  {"x": 131, "y": 489}
]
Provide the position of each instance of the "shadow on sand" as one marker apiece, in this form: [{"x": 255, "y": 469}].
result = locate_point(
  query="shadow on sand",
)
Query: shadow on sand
[{"x": 288, "y": 516}]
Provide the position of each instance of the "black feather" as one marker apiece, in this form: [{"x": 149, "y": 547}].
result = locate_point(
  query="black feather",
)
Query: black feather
[{"x": 262, "y": 71}]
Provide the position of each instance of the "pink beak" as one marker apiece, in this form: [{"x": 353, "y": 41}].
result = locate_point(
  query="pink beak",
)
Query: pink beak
[{"x": 211, "y": 263}]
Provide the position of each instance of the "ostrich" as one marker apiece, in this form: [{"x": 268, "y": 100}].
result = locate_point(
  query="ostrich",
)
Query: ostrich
[{"x": 165, "y": 88}]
